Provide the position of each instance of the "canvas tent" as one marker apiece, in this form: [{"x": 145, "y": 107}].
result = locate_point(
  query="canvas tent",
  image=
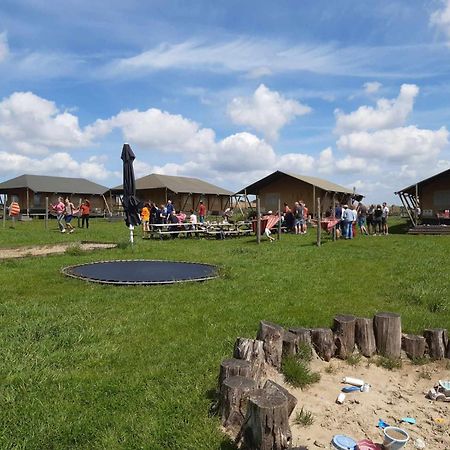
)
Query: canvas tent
[
  {"x": 289, "y": 188},
  {"x": 432, "y": 195},
  {"x": 30, "y": 192},
  {"x": 185, "y": 193}
]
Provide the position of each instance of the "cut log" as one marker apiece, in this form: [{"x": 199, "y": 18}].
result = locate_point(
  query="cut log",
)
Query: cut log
[
  {"x": 266, "y": 425},
  {"x": 304, "y": 335},
  {"x": 388, "y": 334},
  {"x": 323, "y": 342},
  {"x": 290, "y": 344},
  {"x": 413, "y": 345},
  {"x": 271, "y": 386},
  {"x": 272, "y": 335},
  {"x": 233, "y": 401},
  {"x": 232, "y": 367},
  {"x": 365, "y": 337},
  {"x": 344, "y": 335},
  {"x": 437, "y": 341},
  {"x": 252, "y": 351}
]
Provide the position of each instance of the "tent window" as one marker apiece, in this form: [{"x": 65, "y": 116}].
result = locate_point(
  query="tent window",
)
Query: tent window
[
  {"x": 441, "y": 199},
  {"x": 37, "y": 200}
]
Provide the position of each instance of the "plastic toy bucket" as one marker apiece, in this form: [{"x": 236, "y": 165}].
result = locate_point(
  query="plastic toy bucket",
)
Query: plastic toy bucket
[{"x": 395, "y": 438}]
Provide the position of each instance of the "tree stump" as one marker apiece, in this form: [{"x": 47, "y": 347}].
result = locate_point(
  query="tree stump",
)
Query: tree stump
[
  {"x": 323, "y": 342},
  {"x": 272, "y": 335},
  {"x": 233, "y": 400},
  {"x": 251, "y": 350},
  {"x": 290, "y": 344},
  {"x": 388, "y": 334},
  {"x": 413, "y": 345},
  {"x": 271, "y": 386},
  {"x": 232, "y": 367},
  {"x": 304, "y": 335},
  {"x": 437, "y": 341},
  {"x": 266, "y": 425},
  {"x": 344, "y": 335},
  {"x": 365, "y": 337}
]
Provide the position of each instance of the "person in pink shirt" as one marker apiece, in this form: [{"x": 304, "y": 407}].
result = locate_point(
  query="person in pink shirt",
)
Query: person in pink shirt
[
  {"x": 201, "y": 212},
  {"x": 59, "y": 209}
]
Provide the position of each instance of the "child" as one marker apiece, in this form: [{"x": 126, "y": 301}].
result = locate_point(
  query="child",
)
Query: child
[{"x": 145, "y": 217}]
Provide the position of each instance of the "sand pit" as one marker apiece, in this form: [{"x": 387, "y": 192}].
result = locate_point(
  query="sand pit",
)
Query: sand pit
[
  {"x": 393, "y": 395},
  {"x": 43, "y": 250}
]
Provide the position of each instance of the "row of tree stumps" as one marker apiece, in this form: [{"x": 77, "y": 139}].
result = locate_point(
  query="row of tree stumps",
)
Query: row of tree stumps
[{"x": 256, "y": 410}]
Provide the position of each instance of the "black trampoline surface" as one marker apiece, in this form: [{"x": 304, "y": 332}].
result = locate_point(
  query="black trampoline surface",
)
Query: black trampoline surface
[{"x": 141, "y": 272}]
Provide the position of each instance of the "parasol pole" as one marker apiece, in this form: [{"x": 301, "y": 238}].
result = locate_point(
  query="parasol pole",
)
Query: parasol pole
[{"x": 131, "y": 234}]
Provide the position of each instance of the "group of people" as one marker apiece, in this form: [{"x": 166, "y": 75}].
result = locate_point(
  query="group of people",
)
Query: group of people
[
  {"x": 152, "y": 214},
  {"x": 296, "y": 219},
  {"x": 65, "y": 211},
  {"x": 372, "y": 220}
]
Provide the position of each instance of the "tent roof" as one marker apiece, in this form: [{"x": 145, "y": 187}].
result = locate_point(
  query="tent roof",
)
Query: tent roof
[
  {"x": 61, "y": 185},
  {"x": 254, "y": 188},
  {"x": 177, "y": 185},
  {"x": 412, "y": 189}
]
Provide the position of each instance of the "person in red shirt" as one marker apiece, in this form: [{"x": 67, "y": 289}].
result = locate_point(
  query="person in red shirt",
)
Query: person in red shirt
[
  {"x": 85, "y": 211},
  {"x": 201, "y": 212}
]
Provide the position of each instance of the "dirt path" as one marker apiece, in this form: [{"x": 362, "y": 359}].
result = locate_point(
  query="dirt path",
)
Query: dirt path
[{"x": 43, "y": 250}]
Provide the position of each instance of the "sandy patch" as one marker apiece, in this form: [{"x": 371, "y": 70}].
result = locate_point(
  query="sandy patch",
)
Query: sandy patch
[
  {"x": 43, "y": 250},
  {"x": 393, "y": 396}
]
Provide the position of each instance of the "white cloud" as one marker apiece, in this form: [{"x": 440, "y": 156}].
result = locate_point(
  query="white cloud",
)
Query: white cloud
[
  {"x": 59, "y": 164},
  {"x": 243, "y": 151},
  {"x": 159, "y": 130},
  {"x": 372, "y": 87},
  {"x": 299, "y": 163},
  {"x": 325, "y": 162},
  {"x": 4, "y": 48},
  {"x": 387, "y": 114},
  {"x": 266, "y": 111},
  {"x": 441, "y": 18},
  {"x": 399, "y": 144},
  {"x": 32, "y": 125}
]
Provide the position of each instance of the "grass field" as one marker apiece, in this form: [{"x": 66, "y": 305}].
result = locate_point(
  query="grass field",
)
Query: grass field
[{"x": 86, "y": 366}]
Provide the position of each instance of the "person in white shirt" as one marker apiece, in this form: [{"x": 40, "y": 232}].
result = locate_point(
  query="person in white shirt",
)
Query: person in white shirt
[
  {"x": 193, "y": 219},
  {"x": 384, "y": 219}
]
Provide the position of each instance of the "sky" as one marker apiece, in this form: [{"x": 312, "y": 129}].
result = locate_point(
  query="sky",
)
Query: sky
[{"x": 355, "y": 92}]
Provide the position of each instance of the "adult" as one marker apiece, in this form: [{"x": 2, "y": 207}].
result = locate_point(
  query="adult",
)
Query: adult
[
  {"x": 169, "y": 208},
  {"x": 370, "y": 219},
  {"x": 154, "y": 213},
  {"x": 362, "y": 217},
  {"x": 228, "y": 213},
  {"x": 347, "y": 220},
  {"x": 163, "y": 214},
  {"x": 377, "y": 219},
  {"x": 201, "y": 212},
  {"x": 298, "y": 215},
  {"x": 68, "y": 215},
  {"x": 174, "y": 227},
  {"x": 289, "y": 219},
  {"x": 85, "y": 211},
  {"x": 305, "y": 217},
  {"x": 384, "y": 219},
  {"x": 59, "y": 209}
]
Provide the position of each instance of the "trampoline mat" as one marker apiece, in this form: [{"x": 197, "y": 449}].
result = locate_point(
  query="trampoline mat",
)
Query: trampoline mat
[{"x": 141, "y": 272}]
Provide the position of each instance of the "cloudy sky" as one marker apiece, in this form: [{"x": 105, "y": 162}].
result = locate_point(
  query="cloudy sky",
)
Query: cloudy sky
[{"x": 357, "y": 92}]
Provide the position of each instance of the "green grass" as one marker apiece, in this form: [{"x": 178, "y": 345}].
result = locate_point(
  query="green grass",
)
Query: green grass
[
  {"x": 304, "y": 418},
  {"x": 104, "y": 367},
  {"x": 297, "y": 372}
]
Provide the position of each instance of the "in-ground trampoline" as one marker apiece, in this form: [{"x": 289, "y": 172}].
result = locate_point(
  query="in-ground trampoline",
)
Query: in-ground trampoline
[{"x": 142, "y": 272}]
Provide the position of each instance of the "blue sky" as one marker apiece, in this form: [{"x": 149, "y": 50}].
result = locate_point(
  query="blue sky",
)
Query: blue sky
[{"x": 357, "y": 92}]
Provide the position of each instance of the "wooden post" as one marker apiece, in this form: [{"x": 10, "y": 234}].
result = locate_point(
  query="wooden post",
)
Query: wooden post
[
  {"x": 233, "y": 400},
  {"x": 46, "y": 213},
  {"x": 266, "y": 425},
  {"x": 271, "y": 386},
  {"x": 251, "y": 350},
  {"x": 258, "y": 221},
  {"x": 272, "y": 335},
  {"x": 344, "y": 334},
  {"x": 279, "y": 217},
  {"x": 28, "y": 202},
  {"x": 333, "y": 215},
  {"x": 314, "y": 201},
  {"x": 437, "y": 341},
  {"x": 5, "y": 199},
  {"x": 231, "y": 367},
  {"x": 319, "y": 218},
  {"x": 388, "y": 334},
  {"x": 365, "y": 337},
  {"x": 304, "y": 335},
  {"x": 290, "y": 344},
  {"x": 413, "y": 345},
  {"x": 323, "y": 342}
]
